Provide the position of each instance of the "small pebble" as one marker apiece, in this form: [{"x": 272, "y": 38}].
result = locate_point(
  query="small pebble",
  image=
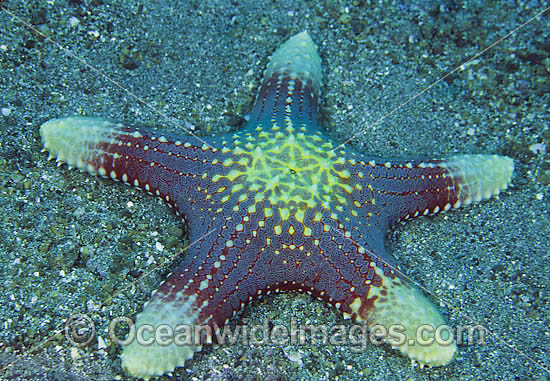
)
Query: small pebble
[
  {"x": 538, "y": 148},
  {"x": 73, "y": 21},
  {"x": 75, "y": 354},
  {"x": 101, "y": 343}
]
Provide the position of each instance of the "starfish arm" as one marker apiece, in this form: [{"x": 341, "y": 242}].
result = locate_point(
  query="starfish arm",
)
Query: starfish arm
[
  {"x": 161, "y": 164},
  {"x": 183, "y": 306},
  {"x": 173, "y": 314},
  {"x": 195, "y": 302},
  {"x": 396, "y": 312},
  {"x": 406, "y": 189},
  {"x": 290, "y": 88}
]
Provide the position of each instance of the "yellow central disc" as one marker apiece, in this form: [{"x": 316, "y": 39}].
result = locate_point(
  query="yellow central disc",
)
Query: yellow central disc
[{"x": 293, "y": 170}]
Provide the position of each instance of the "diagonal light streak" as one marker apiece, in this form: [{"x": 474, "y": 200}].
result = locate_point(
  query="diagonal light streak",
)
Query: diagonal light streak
[
  {"x": 401, "y": 105},
  {"x": 105, "y": 76}
]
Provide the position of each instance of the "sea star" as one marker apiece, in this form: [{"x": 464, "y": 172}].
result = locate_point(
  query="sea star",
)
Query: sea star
[{"x": 277, "y": 207}]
